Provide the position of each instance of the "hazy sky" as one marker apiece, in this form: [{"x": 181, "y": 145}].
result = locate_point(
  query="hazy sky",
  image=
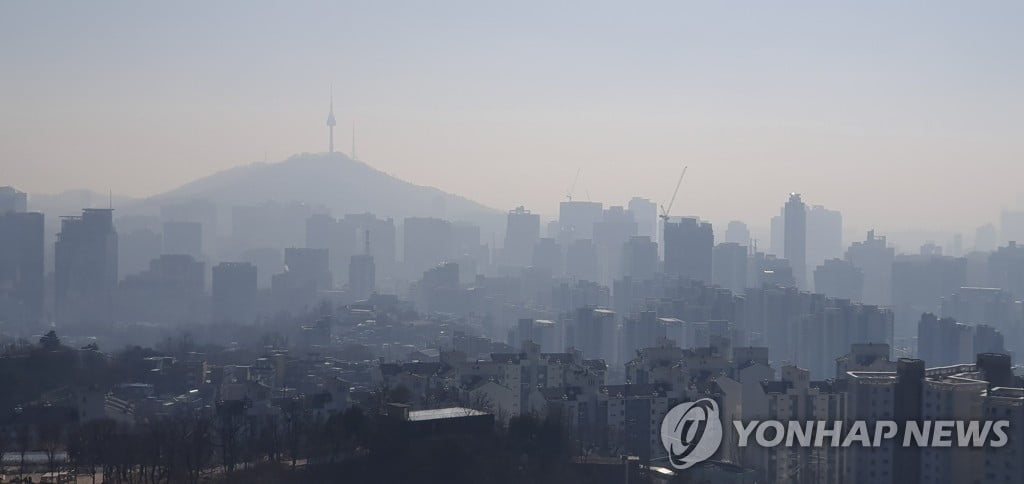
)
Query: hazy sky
[{"x": 896, "y": 113}]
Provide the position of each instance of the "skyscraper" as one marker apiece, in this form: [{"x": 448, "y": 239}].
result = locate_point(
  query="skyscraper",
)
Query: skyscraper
[
  {"x": 382, "y": 242},
  {"x": 85, "y": 267},
  {"x": 362, "y": 273},
  {"x": 576, "y": 220},
  {"x": 645, "y": 213},
  {"x": 737, "y": 233},
  {"x": 234, "y": 292},
  {"x": 12, "y": 200},
  {"x": 729, "y": 264},
  {"x": 874, "y": 258},
  {"x": 640, "y": 257},
  {"x": 688, "y": 248},
  {"x": 21, "y": 267},
  {"x": 795, "y": 244},
  {"x": 824, "y": 236},
  {"x": 522, "y": 232},
  {"x": 427, "y": 243}
]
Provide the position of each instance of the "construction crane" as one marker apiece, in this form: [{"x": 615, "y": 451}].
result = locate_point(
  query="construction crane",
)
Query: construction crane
[
  {"x": 572, "y": 188},
  {"x": 665, "y": 211}
]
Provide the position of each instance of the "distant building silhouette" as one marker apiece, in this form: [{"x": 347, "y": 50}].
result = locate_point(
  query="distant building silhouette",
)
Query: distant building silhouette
[
  {"x": 874, "y": 258},
  {"x": 522, "y": 231},
  {"x": 547, "y": 257},
  {"x": 824, "y": 236},
  {"x": 85, "y": 267},
  {"x": 306, "y": 274},
  {"x": 362, "y": 272},
  {"x": 729, "y": 266},
  {"x": 610, "y": 234},
  {"x": 581, "y": 261},
  {"x": 737, "y": 233},
  {"x": 795, "y": 243},
  {"x": 985, "y": 238},
  {"x": 12, "y": 200},
  {"x": 427, "y": 243},
  {"x": 1006, "y": 269},
  {"x": 645, "y": 213},
  {"x": 21, "y": 266},
  {"x": 576, "y": 220},
  {"x": 688, "y": 248},
  {"x": 839, "y": 278},
  {"x": 1011, "y": 226},
  {"x": 640, "y": 257},
  {"x": 234, "y": 292},
  {"x": 919, "y": 282},
  {"x": 170, "y": 292}
]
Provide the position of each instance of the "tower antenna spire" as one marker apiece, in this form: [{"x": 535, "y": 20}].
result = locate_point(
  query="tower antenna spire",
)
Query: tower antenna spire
[
  {"x": 354, "y": 157},
  {"x": 331, "y": 122}
]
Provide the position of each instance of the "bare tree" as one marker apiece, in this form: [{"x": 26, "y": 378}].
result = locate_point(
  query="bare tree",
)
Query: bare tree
[
  {"x": 51, "y": 439},
  {"x": 22, "y": 442}
]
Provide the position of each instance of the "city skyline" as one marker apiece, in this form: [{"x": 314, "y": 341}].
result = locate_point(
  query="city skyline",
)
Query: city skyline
[{"x": 668, "y": 91}]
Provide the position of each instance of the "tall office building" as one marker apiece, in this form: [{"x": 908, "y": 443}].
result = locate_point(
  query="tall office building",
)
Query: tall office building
[
  {"x": 21, "y": 266},
  {"x": 234, "y": 292},
  {"x": 306, "y": 274},
  {"x": 824, "y": 235},
  {"x": 199, "y": 211},
  {"x": 640, "y": 257},
  {"x": 522, "y": 231},
  {"x": 547, "y": 257},
  {"x": 337, "y": 236},
  {"x": 576, "y": 220},
  {"x": 874, "y": 258},
  {"x": 1006, "y": 268},
  {"x": 171, "y": 291},
  {"x": 919, "y": 282},
  {"x": 12, "y": 200},
  {"x": 778, "y": 234},
  {"x": 427, "y": 243},
  {"x": 1011, "y": 226},
  {"x": 581, "y": 261},
  {"x": 689, "y": 244},
  {"x": 985, "y": 238},
  {"x": 362, "y": 273},
  {"x": 795, "y": 244},
  {"x": 135, "y": 248},
  {"x": 382, "y": 242},
  {"x": 729, "y": 266},
  {"x": 645, "y": 213},
  {"x": 85, "y": 267},
  {"x": 737, "y": 233},
  {"x": 610, "y": 234},
  {"x": 840, "y": 279}
]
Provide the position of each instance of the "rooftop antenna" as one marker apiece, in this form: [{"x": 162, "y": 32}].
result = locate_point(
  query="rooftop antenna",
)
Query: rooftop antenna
[
  {"x": 354, "y": 157},
  {"x": 665, "y": 211},
  {"x": 110, "y": 198}
]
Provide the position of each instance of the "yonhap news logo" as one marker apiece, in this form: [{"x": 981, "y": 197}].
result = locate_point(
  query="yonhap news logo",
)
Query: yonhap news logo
[{"x": 691, "y": 432}]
